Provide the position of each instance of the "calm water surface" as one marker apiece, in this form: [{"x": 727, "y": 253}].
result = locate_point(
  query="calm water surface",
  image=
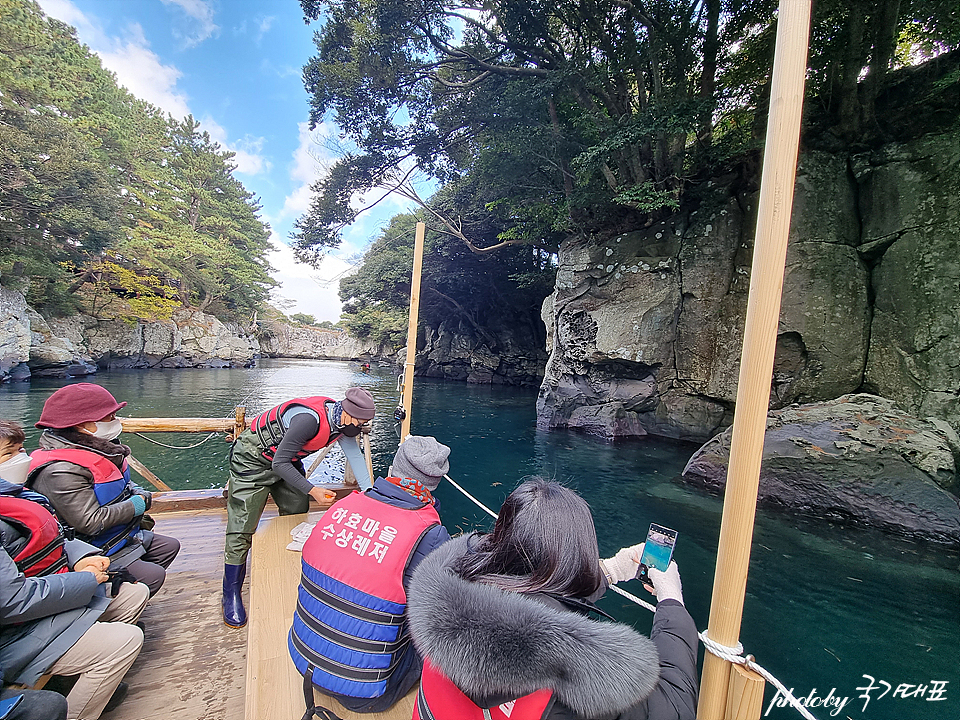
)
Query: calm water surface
[{"x": 825, "y": 606}]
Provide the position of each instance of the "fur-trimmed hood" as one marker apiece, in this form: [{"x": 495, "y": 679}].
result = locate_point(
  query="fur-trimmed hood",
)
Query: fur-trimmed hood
[{"x": 497, "y": 645}]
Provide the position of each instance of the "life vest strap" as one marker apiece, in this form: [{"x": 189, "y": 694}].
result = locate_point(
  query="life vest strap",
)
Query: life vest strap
[
  {"x": 349, "y": 641},
  {"x": 338, "y": 670},
  {"x": 312, "y": 708},
  {"x": 347, "y": 607}
]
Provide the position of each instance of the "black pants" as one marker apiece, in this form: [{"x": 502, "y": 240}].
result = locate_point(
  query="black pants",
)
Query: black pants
[
  {"x": 151, "y": 567},
  {"x": 37, "y": 705}
]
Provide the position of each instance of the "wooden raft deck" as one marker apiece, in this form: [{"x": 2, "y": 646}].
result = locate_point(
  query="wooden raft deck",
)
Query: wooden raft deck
[{"x": 193, "y": 667}]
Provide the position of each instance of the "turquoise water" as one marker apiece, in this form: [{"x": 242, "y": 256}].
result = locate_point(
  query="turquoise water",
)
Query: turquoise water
[{"x": 825, "y": 606}]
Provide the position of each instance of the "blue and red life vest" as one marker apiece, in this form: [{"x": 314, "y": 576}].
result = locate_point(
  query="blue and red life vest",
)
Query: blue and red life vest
[
  {"x": 440, "y": 699},
  {"x": 110, "y": 485},
  {"x": 43, "y": 554},
  {"x": 349, "y": 629},
  {"x": 269, "y": 428}
]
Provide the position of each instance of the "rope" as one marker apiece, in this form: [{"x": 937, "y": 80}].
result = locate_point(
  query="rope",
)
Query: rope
[
  {"x": 735, "y": 656},
  {"x": 177, "y": 447},
  {"x": 479, "y": 504},
  {"x": 730, "y": 654}
]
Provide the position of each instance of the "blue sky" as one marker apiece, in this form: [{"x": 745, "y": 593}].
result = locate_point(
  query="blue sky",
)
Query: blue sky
[{"x": 236, "y": 66}]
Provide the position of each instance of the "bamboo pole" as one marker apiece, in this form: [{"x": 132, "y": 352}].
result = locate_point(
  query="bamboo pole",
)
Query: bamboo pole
[
  {"x": 147, "y": 474},
  {"x": 178, "y": 424},
  {"x": 744, "y": 694},
  {"x": 367, "y": 453},
  {"x": 412, "y": 330},
  {"x": 759, "y": 344}
]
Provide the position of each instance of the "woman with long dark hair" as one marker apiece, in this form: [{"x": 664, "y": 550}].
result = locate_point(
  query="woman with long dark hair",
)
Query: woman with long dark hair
[{"x": 501, "y": 620}]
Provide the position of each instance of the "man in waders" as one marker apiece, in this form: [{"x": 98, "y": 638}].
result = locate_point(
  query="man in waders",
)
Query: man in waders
[{"x": 267, "y": 459}]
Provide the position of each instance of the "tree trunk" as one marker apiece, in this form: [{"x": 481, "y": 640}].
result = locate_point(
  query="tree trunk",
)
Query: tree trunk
[
  {"x": 708, "y": 79},
  {"x": 884, "y": 25},
  {"x": 849, "y": 105}
]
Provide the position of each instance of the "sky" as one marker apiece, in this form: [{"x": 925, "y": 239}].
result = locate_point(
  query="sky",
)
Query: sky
[{"x": 235, "y": 65}]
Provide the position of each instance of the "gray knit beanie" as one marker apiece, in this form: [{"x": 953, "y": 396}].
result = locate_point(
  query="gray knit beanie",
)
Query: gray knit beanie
[{"x": 421, "y": 458}]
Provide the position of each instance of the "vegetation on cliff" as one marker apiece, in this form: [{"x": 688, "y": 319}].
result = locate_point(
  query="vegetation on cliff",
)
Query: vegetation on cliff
[
  {"x": 107, "y": 206},
  {"x": 548, "y": 121}
]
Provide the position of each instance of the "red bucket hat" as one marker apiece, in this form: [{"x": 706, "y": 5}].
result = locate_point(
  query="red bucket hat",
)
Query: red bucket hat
[{"x": 75, "y": 404}]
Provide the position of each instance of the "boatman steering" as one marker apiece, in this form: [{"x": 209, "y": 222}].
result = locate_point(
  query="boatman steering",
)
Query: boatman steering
[{"x": 267, "y": 459}]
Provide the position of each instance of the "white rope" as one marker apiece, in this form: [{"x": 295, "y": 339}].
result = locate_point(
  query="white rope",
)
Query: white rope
[
  {"x": 730, "y": 654},
  {"x": 177, "y": 447},
  {"x": 735, "y": 656},
  {"x": 479, "y": 504}
]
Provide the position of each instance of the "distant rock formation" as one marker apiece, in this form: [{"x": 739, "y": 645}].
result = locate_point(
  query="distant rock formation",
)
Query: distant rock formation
[{"x": 856, "y": 460}]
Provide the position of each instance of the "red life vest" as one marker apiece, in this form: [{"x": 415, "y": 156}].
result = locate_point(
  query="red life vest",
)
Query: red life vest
[
  {"x": 43, "y": 553},
  {"x": 349, "y": 628},
  {"x": 269, "y": 428},
  {"x": 440, "y": 699},
  {"x": 110, "y": 485}
]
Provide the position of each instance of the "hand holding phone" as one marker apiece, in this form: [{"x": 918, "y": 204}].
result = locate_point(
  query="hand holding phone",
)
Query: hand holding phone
[{"x": 657, "y": 551}]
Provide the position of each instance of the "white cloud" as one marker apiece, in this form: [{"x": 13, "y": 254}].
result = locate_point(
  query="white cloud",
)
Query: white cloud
[
  {"x": 310, "y": 162},
  {"x": 311, "y": 291},
  {"x": 249, "y": 156},
  {"x": 140, "y": 70},
  {"x": 202, "y": 12}
]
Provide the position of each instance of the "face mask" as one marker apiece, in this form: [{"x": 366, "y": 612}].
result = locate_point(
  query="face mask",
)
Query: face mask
[
  {"x": 350, "y": 430},
  {"x": 108, "y": 430},
  {"x": 15, "y": 469}
]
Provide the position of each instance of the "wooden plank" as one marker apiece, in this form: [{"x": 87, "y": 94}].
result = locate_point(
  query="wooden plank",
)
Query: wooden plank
[
  {"x": 274, "y": 687},
  {"x": 146, "y": 473},
  {"x": 192, "y": 665},
  {"x": 178, "y": 424}
]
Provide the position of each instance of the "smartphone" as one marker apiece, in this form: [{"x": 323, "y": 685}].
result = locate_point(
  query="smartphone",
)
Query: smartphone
[
  {"x": 657, "y": 550},
  {"x": 8, "y": 705}
]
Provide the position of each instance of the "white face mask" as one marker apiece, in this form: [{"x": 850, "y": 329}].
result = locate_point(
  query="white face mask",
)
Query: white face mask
[
  {"x": 15, "y": 469},
  {"x": 108, "y": 430}
]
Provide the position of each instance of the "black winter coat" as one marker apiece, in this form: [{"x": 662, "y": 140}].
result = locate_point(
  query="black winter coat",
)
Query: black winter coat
[{"x": 497, "y": 645}]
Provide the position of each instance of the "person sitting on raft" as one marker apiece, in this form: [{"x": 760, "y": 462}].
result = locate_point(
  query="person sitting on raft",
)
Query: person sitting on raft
[
  {"x": 54, "y": 614},
  {"x": 82, "y": 468},
  {"x": 501, "y": 622},
  {"x": 362, "y": 554},
  {"x": 266, "y": 459}
]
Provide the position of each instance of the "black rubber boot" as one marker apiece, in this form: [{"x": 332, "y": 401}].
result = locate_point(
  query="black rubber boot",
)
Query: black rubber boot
[{"x": 233, "y": 613}]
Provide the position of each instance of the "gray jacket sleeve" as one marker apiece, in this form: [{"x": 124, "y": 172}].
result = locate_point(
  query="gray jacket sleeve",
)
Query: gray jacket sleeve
[
  {"x": 359, "y": 466},
  {"x": 303, "y": 427},
  {"x": 23, "y": 599},
  {"x": 69, "y": 488},
  {"x": 76, "y": 550}
]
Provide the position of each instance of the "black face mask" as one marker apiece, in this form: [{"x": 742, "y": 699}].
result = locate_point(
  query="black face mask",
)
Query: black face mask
[{"x": 350, "y": 430}]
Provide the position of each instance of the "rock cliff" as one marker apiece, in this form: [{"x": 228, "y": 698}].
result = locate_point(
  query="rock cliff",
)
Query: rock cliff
[
  {"x": 645, "y": 328},
  {"x": 31, "y": 345}
]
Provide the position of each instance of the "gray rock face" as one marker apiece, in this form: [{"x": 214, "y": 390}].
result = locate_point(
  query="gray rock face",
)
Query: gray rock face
[
  {"x": 856, "y": 459},
  {"x": 652, "y": 320},
  {"x": 911, "y": 215},
  {"x": 297, "y": 341},
  {"x": 454, "y": 352},
  {"x": 14, "y": 332},
  {"x": 190, "y": 339}
]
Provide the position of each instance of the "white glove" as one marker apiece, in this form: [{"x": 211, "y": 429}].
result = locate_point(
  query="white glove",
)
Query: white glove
[
  {"x": 666, "y": 585},
  {"x": 624, "y": 565}
]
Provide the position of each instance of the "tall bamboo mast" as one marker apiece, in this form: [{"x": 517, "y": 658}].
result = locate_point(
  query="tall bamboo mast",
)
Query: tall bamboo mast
[
  {"x": 759, "y": 344},
  {"x": 412, "y": 330}
]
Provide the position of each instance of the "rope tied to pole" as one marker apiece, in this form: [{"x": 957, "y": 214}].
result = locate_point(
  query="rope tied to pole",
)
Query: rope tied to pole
[
  {"x": 735, "y": 655},
  {"x": 730, "y": 654},
  {"x": 177, "y": 447}
]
